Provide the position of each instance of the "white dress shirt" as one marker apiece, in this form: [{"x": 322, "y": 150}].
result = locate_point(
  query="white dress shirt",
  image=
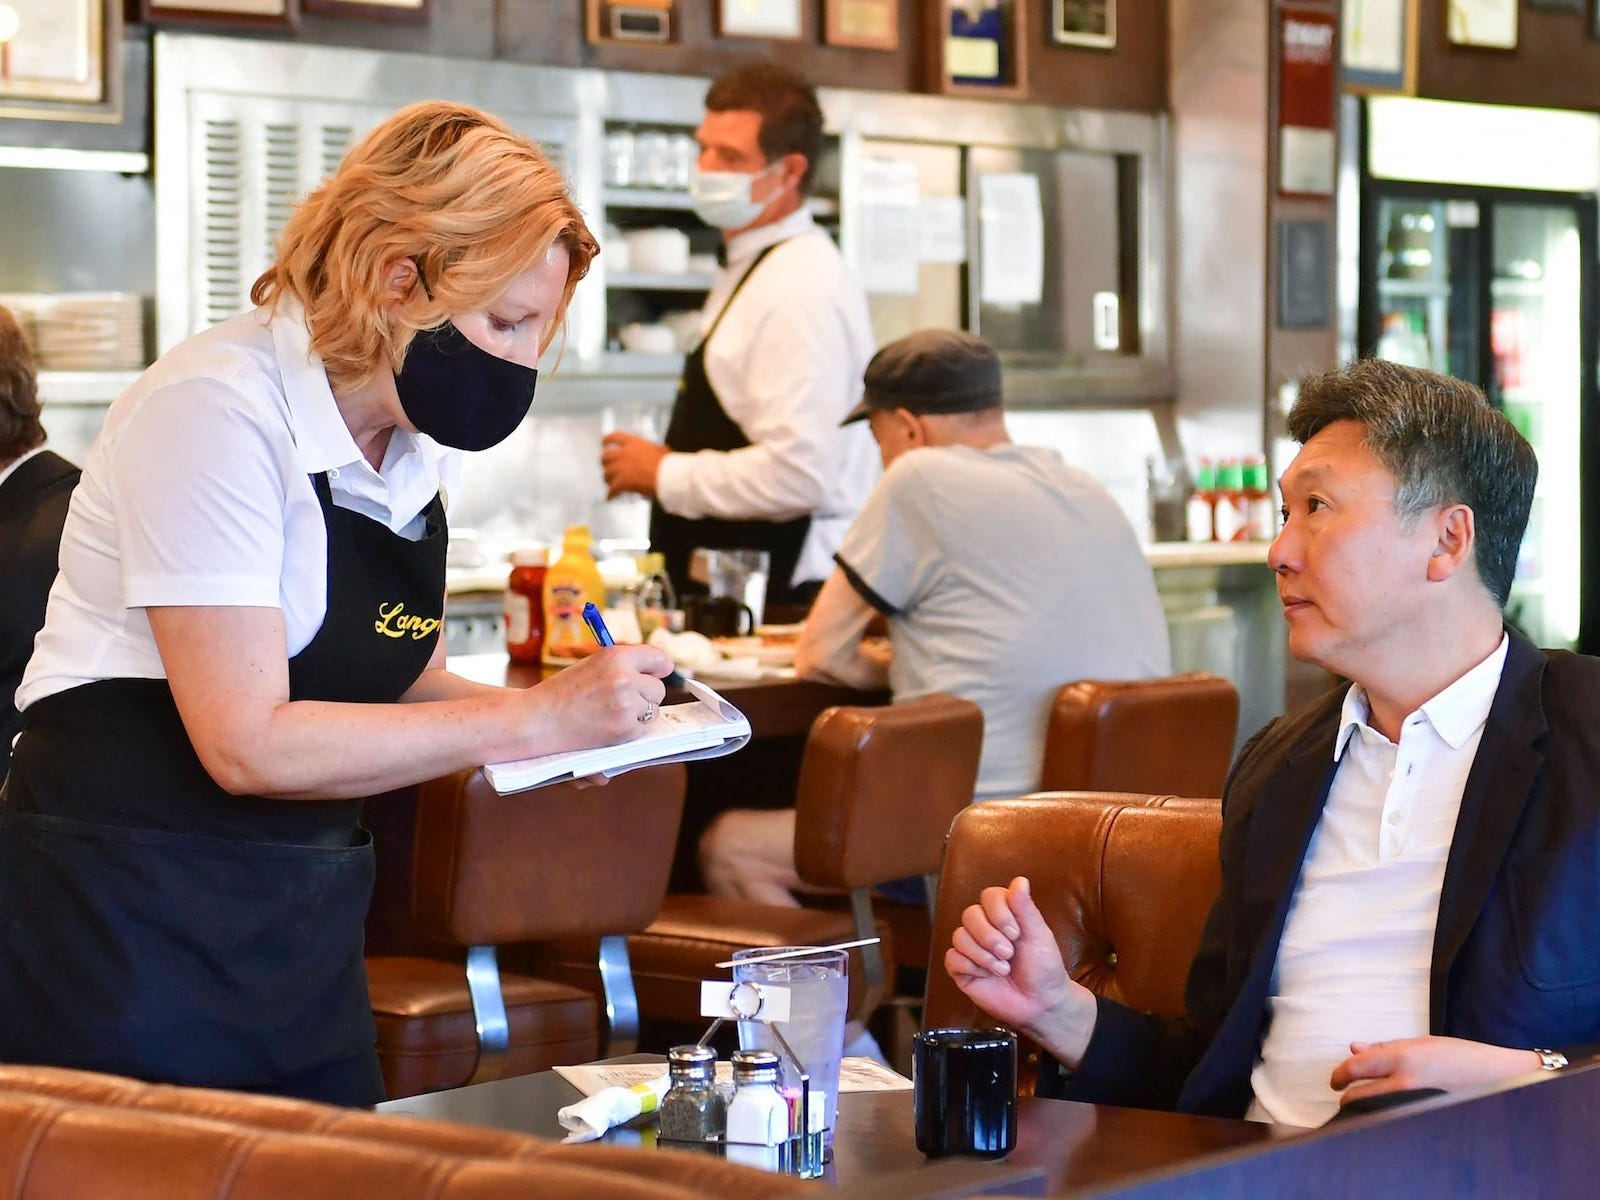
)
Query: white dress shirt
[
  {"x": 786, "y": 364},
  {"x": 1357, "y": 949},
  {"x": 198, "y": 492}
]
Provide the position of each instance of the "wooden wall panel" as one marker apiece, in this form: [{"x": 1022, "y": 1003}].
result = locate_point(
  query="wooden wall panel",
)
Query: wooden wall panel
[
  {"x": 1556, "y": 63},
  {"x": 1132, "y": 77},
  {"x": 551, "y": 33},
  {"x": 455, "y": 28},
  {"x": 1292, "y": 353}
]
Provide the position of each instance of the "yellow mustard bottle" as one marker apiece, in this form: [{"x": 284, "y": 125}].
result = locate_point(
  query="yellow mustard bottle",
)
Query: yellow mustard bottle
[{"x": 572, "y": 581}]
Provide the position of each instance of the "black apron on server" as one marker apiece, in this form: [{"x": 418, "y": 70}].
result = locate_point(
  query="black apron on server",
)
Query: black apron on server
[
  {"x": 153, "y": 925},
  {"x": 699, "y": 422}
]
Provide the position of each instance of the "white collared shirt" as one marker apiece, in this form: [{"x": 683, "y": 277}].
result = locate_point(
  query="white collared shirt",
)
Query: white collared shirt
[
  {"x": 786, "y": 364},
  {"x": 198, "y": 492},
  {"x": 1357, "y": 948}
]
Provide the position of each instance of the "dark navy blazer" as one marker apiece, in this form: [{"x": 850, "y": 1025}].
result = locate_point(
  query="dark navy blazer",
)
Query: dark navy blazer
[
  {"x": 33, "y": 507},
  {"x": 1516, "y": 950}
]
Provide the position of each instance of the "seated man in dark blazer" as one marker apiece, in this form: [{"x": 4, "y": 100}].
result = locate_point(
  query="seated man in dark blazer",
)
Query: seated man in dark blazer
[
  {"x": 1410, "y": 865},
  {"x": 34, "y": 488}
]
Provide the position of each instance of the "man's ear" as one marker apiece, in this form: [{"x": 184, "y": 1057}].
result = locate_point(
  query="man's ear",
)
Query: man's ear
[
  {"x": 794, "y": 168},
  {"x": 916, "y": 431},
  {"x": 1456, "y": 531}
]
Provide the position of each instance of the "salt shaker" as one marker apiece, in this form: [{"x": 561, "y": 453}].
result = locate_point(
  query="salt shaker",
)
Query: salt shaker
[{"x": 758, "y": 1117}]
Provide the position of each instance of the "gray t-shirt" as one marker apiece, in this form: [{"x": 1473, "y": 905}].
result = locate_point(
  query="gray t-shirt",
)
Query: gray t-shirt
[{"x": 1004, "y": 574}]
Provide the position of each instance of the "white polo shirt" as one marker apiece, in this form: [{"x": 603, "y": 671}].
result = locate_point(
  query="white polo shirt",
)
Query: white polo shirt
[
  {"x": 1357, "y": 948},
  {"x": 786, "y": 364},
  {"x": 198, "y": 492}
]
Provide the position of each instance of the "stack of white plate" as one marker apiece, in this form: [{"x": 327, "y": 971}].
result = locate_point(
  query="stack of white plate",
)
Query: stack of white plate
[{"x": 90, "y": 331}]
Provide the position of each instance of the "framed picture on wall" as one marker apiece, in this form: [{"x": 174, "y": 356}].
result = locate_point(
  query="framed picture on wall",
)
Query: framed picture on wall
[
  {"x": 1084, "y": 23},
  {"x": 56, "y": 51},
  {"x": 646, "y": 21},
  {"x": 413, "y": 11},
  {"x": 1305, "y": 275},
  {"x": 280, "y": 14},
  {"x": 1378, "y": 45},
  {"x": 979, "y": 48},
  {"x": 863, "y": 24},
  {"x": 1491, "y": 24},
  {"x": 782, "y": 20}
]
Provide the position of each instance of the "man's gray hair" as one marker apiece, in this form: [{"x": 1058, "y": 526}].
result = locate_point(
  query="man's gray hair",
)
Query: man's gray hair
[{"x": 1442, "y": 442}]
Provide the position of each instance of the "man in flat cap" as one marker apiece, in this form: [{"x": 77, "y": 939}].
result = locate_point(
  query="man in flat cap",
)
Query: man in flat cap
[{"x": 1003, "y": 573}]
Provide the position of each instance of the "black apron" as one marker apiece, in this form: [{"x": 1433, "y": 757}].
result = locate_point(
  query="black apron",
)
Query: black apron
[
  {"x": 153, "y": 925},
  {"x": 699, "y": 422}
]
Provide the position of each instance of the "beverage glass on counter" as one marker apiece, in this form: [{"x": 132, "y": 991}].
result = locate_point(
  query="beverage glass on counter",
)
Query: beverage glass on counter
[
  {"x": 620, "y": 158},
  {"x": 718, "y": 616},
  {"x": 819, "y": 993},
  {"x": 740, "y": 574}
]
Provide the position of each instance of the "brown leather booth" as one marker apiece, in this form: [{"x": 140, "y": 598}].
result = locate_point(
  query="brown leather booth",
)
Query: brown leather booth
[
  {"x": 488, "y": 870},
  {"x": 1125, "y": 881},
  {"x": 67, "y": 1135},
  {"x": 1172, "y": 735},
  {"x": 878, "y": 788}
]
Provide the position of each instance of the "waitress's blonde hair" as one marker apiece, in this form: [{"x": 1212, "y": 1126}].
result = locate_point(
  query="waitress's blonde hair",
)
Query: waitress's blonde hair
[{"x": 451, "y": 188}]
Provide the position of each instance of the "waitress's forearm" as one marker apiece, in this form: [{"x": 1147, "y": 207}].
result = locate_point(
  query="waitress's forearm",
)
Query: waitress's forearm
[
  {"x": 230, "y": 680},
  {"x": 438, "y": 684},
  {"x": 320, "y": 750}
]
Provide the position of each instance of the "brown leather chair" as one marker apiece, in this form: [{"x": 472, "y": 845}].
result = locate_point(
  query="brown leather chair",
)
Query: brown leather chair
[
  {"x": 1169, "y": 735},
  {"x": 65, "y": 1135},
  {"x": 488, "y": 870},
  {"x": 1124, "y": 881},
  {"x": 877, "y": 791}
]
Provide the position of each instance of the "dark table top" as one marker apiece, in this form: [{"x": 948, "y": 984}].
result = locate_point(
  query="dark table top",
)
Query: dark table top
[{"x": 1073, "y": 1146}]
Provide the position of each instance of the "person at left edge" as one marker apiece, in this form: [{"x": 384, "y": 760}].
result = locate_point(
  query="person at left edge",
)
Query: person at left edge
[
  {"x": 35, "y": 485},
  {"x": 244, "y": 636},
  {"x": 754, "y": 454}
]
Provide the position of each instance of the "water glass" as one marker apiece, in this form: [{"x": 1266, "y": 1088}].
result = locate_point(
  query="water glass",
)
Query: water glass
[
  {"x": 619, "y": 163},
  {"x": 741, "y": 574},
  {"x": 819, "y": 993},
  {"x": 652, "y": 159}
]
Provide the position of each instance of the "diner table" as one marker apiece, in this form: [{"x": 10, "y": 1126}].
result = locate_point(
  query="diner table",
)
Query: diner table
[{"x": 1064, "y": 1148}]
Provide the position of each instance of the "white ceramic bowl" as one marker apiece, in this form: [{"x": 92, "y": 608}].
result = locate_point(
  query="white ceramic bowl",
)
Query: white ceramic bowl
[
  {"x": 663, "y": 251},
  {"x": 648, "y": 339}
]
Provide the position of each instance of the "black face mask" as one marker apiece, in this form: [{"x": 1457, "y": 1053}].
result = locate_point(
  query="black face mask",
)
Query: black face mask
[{"x": 458, "y": 393}]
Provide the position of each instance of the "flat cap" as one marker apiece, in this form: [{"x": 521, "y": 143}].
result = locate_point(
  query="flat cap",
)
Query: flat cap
[{"x": 929, "y": 372}]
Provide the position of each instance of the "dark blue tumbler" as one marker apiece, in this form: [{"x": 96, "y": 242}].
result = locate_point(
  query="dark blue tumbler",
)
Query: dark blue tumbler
[{"x": 964, "y": 1091}]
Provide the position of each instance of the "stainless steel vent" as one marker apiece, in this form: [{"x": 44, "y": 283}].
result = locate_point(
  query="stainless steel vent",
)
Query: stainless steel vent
[
  {"x": 220, "y": 226},
  {"x": 244, "y": 129},
  {"x": 256, "y": 157}
]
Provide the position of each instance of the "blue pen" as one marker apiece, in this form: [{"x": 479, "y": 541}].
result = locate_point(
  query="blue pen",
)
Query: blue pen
[{"x": 597, "y": 626}]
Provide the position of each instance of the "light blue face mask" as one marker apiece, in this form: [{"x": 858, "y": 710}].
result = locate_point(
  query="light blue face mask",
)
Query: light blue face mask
[{"x": 722, "y": 198}]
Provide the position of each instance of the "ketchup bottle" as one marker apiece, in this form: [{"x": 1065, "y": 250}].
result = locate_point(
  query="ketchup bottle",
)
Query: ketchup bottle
[{"x": 525, "y": 606}]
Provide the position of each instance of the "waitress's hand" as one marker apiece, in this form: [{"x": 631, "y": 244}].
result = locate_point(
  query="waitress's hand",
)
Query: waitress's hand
[
  {"x": 630, "y": 464},
  {"x": 599, "y": 700}
]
